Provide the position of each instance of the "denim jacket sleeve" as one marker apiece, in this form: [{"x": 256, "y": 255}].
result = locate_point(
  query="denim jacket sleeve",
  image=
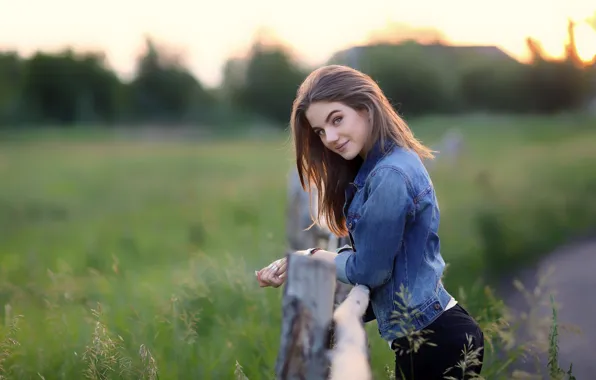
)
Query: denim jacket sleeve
[
  {"x": 378, "y": 232},
  {"x": 369, "y": 314}
]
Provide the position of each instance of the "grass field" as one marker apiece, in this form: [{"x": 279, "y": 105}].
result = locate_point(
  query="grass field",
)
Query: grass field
[{"x": 107, "y": 246}]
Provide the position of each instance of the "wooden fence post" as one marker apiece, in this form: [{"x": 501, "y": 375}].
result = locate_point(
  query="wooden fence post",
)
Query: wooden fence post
[
  {"x": 307, "y": 315},
  {"x": 350, "y": 353}
]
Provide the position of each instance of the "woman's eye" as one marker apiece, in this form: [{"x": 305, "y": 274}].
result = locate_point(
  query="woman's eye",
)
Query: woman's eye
[
  {"x": 337, "y": 120},
  {"x": 320, "y": 132}
]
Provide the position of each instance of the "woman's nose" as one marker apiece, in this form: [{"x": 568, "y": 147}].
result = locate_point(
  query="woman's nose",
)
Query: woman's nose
[{"x": 331, "y": 136}]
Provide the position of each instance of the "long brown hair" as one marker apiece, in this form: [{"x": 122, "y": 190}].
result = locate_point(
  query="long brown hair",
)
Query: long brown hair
[{"x": 329, "y": 172}]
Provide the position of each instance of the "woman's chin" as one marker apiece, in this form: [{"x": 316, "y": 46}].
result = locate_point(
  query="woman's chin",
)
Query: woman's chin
[{"x": 349, "y": 155}]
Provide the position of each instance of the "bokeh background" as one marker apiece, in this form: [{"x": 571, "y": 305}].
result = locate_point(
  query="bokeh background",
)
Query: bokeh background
[{"x": 144, "y": 162}]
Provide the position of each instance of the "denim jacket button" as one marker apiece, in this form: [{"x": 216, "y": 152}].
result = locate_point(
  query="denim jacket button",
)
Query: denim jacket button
[
  {"x": 350, "y": 225},
  {"x": 437, "y": 306}
]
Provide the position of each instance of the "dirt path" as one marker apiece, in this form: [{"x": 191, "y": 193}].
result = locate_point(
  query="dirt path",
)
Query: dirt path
[{"x": 572, "y": 281}]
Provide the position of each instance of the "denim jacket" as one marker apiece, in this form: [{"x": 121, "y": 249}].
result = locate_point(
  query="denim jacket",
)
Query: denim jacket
[{"x": 392, "y": 216}]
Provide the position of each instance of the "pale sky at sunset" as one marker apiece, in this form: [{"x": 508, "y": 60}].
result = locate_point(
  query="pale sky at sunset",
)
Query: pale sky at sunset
[{"x": 212, "y": 30}]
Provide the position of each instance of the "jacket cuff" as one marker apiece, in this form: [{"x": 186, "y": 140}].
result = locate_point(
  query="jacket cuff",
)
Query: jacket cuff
[
  {"x": 341, "y": 261},
  {"x": 346, "y": 247}
]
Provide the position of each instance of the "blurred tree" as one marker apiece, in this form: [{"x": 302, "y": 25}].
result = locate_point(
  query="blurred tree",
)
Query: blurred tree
[
  {"x": 268, "y": 83},
  {"x": 571, "y": 54},
  {"x": 495, "y": 87},
  {"x": 556, "y": 85},
  {"x": 413, "y": 84},
  {"x": 537, "y": 54},
  {"x": 233, "y": 81},
  {"x": 163, "y": 89},
  {"x": 66, "y": 88},
  {"x": 11, "y": 84}
]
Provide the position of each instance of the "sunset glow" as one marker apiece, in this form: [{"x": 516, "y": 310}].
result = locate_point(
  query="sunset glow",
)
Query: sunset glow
[
  {"x": 210, "y": 33},
  {"x": 585, "y": 40}
]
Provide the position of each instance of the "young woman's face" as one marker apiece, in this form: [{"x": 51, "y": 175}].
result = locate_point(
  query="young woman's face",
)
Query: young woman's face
[{"x": 342, "y": 129}]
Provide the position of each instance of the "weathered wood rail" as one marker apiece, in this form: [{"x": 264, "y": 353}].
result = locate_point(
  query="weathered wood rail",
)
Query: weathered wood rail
[{"x": 319, "y": 341}]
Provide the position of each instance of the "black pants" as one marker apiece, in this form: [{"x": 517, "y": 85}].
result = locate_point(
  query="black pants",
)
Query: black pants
[{"x": 448, "y": 337}]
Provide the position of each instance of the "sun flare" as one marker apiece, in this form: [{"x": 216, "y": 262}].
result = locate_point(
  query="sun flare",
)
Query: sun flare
[{"x": 585, "y": 41}]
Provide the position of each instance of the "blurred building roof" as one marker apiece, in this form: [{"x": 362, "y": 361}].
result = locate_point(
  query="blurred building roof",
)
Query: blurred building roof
[{"x": 435, "y": 52}]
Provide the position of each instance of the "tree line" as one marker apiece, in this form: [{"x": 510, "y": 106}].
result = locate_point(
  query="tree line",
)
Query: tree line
[{"x": 70, "y": 88}]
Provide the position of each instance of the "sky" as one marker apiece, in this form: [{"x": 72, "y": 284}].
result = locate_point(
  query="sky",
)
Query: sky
[{"x": 211, "y": 31}]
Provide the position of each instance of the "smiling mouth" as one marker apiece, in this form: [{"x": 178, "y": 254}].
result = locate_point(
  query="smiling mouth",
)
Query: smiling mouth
[{"x": 339, "y": 148}]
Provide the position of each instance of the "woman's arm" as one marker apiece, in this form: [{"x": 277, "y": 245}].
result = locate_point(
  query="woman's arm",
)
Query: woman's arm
[
  {"x": 378, "y": 232},
  {"x": 323, "y": 255}
]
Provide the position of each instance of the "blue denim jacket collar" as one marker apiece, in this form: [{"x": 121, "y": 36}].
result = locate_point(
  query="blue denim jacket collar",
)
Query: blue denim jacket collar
[{"x": 372, "y": 158}]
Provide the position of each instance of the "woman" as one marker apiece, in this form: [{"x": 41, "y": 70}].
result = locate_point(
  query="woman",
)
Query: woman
[{"x": 372, "y": 186}]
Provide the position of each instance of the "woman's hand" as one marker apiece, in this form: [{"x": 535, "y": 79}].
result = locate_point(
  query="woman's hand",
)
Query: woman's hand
[{"x": 273, "y": 275}]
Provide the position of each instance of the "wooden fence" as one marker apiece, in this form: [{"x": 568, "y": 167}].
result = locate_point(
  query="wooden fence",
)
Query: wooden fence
[{"x": 321, "y": 338}]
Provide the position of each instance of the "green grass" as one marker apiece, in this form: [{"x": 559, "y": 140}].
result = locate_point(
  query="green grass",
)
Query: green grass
[{"x": 159, "y": 241}]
